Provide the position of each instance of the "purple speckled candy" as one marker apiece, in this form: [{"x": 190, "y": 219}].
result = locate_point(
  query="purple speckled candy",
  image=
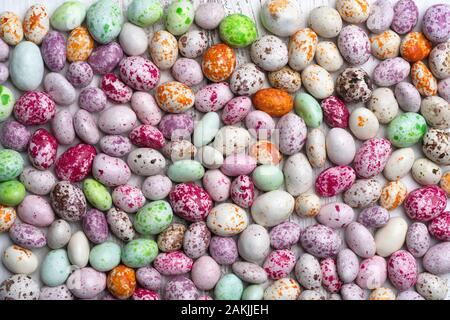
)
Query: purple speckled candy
[
  {"x": 292, "y": 131},
  {"x": 436, "y": 23},
  {"x": 223, "y": 250},
  {"x": 181, "y": 288},
  {"x": 381, "y": 15},
  {"x": 371, "y": 157},
  {"x": 14, "y": 135},
  {"x": 444, "y": 89},
  {"x": 92, "y": 99},
  {"x": 79, "y": 74},
  {"x": 335, "y": 112},
  {"x": 236, "y": 110},
  {"x": 213, "y": 97},
  {"x": 176, "y": 126},
  {"x": 95, "y": 226},
  {"x": 53, "y": 50},
  {"x": 139, "y": 73},
  {"x": 4, "y": 73},
  {"x": 320, "y": 241},
  {"x": 373, "y": 217},
  {"x": 27, "y": 236},
  {"x": 406, "y": 15},
  {"x": 408, "y": 97},
  {"x": 104, "y": 59},
  {"x": 284, "y": 235},
  {"x": 426, "y": 203},
  {"x": 354, "y": 45},
  {"x": 56, "y": 293},
  {"x": 402, "y": 270},
  {"x": 149, "y": 278},
  {"x": 115, "y": 145},
  {"x": 187, "y": 71},
  {"x": 4, "y": 51},
  {"x": 390, "y": 72},
  {"x": 417, "y": 239},
  {"x": 156, "y": 187}
]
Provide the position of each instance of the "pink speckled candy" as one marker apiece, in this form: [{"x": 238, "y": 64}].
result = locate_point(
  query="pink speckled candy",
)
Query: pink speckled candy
[
  {"x": 149, "y": 278},
  {"x": 213, "y": 97},
  {"x": 224, "y": 250},
  {"x": 191, "y": 202},
  {"x": 238, "y": 164},
  {"x": 34, "y": 108},
  {"x": 53, "y": 50},
  {"x": 146, "y": 108},
  {"x": 95, "y": 226},
  {"x": 92, "y": 99},
  {"x": 196, "y": 240},
  {"x": 402, "y": 270},
  {"x": 335, "y": 180},
  {"x": 115, "y": 145},
  {"x": 156, "y": 187},
  {"x": 187, "y": 71},
  {"x": 144, "y": 294},
  {"x": 172, "y": 263},
  {"x": 439, "y": 227},
  {"x": 426, "y": 203},
  {"x": 284, "y": 235},
  {"x": 320, "y": 241},
  {"x": 104, "y": 59},
  {"x": 335, "y": 112},
  {"x": 110, "y": 171},
  {"x": 79, "y": 74},
  {"x": 371, "y": 157},
  {"x": 259, "y": 124},
  {"x": 139, "y": 73},
  {"x": 147, "y": 136},
  {"x": 236, "y": 110},
  {"x": 115, "y": 89},
  {"x": 279, "y": 264},
  {"x": 335, "y": 215},
  {"x": 177, "y": 126},
  {"x": 372, "y": 273},
  {"x": 243, "y": 191},
  {"x": 330, "y": 278},
  {"x": 75, "y": 163},
  {"x": 14, "y": 135},
  {"x": 42, "y": 149},
  {"x": 180, "y": 288},
  {"x": 128, "y": 198},
  {"x": 217, "y": 185}
]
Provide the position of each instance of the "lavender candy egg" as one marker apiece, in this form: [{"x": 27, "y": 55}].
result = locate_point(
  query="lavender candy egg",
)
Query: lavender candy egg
[
  {"x": 335, "y": 215},
  {"x": 14, "y": 135},
  {"x": 104, "y": 59},
  {"x": 4, "y": 73},
  {"x": 436, "y": 23},
  {"x": 95, "y": 226},
  {"x": 292, "y": 130},
  {"x": 181, "y": 288},
  {"x": 27, "y": 236},
  {"x": 406, "y": 15},
  {"x": 92, "y": 99},
  {"x": 409, "y": 295},
  {"x": 373, "y": 217},
  {"x": 59, "y": 89},
  {"x": 187, "y": 71},
  {"x": 176, "y": 127},
  {"x": 260, "y": 124},
  {"x": 354, "y": 45},
  {"x": 381, "y": 16},
  {"x": 61, "y": 292},
  {"x": 149, "y": 278},
  {"x": 390, "y": 72},
  {"x": 320, "y": 241},
  {"x": 213, "y": 97},
  {"x": 4, "y": 51},
  {"x": 437, "y": 258},
  {"x": 79, "y": 74},
  {"x": 284, "y": 235},
  {"x": 86, "y": 283},
  {"x": 407, "y": 96},
  {"x": 236, "y": 110},
  {"x": 223, "y": 250},
  {"x": 115, "y": 145},
  {"x": 63, "y": 128},
  {"x": 347, "y": 265},
  {"x": 156, "y": 187},
  {"x": 53, "y": 50},
  {"x": 196, "y": 240},
  {"x": 360, "y": 240},
  {"x": 444, "y": 89}
]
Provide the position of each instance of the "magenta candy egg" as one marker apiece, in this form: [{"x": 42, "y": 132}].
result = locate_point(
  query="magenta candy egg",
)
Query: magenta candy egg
[
  {"x": 42, "y": 149},
  {"x": 439, "y": 227},
  {"x": 147, "y": 136},
  {"x": 371, "y": 157},
  {"x": 75, "y": 163},
  {"x": 172, "y": 263},
  {"x": 335, "y": 112},
  {"x": 115, "y": 89},
  {"x": 279, "y": 264},
  {"x": 128, "y": 198},
  {"x": 335, "y": 180},
  {"x": 402, "y": 270},
  {"x": 330, "y": 278},
  {"x": 191, "y": 202},
  {"x": 426, "y": 203},
  {"x": 139, "y": 73},
  {"x": 242, "y": 191},
  {"x": 34, "y": 108}
]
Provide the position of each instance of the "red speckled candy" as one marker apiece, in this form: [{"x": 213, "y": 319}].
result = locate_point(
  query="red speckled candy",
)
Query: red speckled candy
[
  {"x": 236, "y": 110},
  {"x": 75, "y": 164},
  {"x": 191, "y": 202},
  {"x": 128, "y": 198},
  {"x": 371, "y": 157},
  {"x": 279, "y": 264},
  {"x": 147, "y": 136},
  {"x": 33, "y": 108},
  {"x": 115, "y": 89},
  {"x": 139, "y": 73},
  {"x": 426, "y": 203},
  {"x": 335, "y": 112},
  {"x": 173, "y": 263},
  {"x": 330, "y": 278},
  {"x": 144, "y": 294},
  {"x": 335, "y": 180},
  {"x": 42, "y": 149},
  {"x": 402, "y": 270},
  {"x": 439, "y": 227},
  {"x": 243, "y": 191}
]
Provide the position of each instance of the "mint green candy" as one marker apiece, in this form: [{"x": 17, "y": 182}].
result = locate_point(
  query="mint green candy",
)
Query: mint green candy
[
  {"x": 185, "y": 171},
  {"x": 11, "y": 193},
  {"x": 180, "y": 15},
  {"x": 309, "y": 109},
  {"x": 105, "y": 257},
  {"x": 68, "y": 16},
  {"x": 104, "y": 20},
  {"x": 229, "y": 287},
  {"x": 144, "y": 13},
  {"x": 97, "y": 194},
  {"x": 7, "y": 101},
  {"x": 237, "y": 30},
  {"x": 139, "y": 253},
  {"x": 406, "y": 129},
  {"x": 253, "y": 292},
  {"x": 11, "y": 164},
  {"x": 55, "y": 268},
  {"x": 267, "y": 177},
  {"x": 153, "y": 218}
]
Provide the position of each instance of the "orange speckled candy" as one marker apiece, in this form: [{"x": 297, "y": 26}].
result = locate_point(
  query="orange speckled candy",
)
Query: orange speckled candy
[
  {"x": 423, "y": 79},
  {"x": 121, "y": 282},
  {"x": 382, "y": 294},
  {"x": 7, "y": 218},
  {"x": 273, "y": 101},
  {"x": 174, "y": 97},
  {"x": 445, "y": 182},
  {"x": 265, "y": 152},
  {"x": 218, "y": 62},
  {"x": 10, "y": 28},
  {"x": 393, "y": 195},
  {"x": 385, "y": 45},
  {"x": 36, "y": 23},
  {"x": 79, "y": 45},
  {"x": 415, "y": 47}
]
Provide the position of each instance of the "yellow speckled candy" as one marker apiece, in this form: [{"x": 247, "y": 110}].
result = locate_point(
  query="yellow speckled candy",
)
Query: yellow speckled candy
[
  {"x": 7, "y": 218},
  {"x": 79, "y": 45},
  {"x": 11, "y": 30},
  {"x": 393, "y": 195},
  {"x": 382, "y": 294}
]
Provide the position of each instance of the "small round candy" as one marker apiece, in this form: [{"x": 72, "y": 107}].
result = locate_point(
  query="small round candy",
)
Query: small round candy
[{"x": 237, "y": 30}]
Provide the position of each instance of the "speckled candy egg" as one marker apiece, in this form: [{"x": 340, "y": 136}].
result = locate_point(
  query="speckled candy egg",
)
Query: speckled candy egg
[
  {"x": 439, "y": 60},
  {"x": 335, "y": 215},
  {"x": 187, "y": 71},
  {"x": 128, "y": 198},
  {"x": 406, "y": 129},
  {"x": 180, "y": 288},
  {"x": 196, "y": 240},
  {"x": 7, "y": 218},
  {"x": 307, "y": 205},
  {"x": 372, "y": 273},
  {"x": 163, "y": 49},
  {"x": 325, "y": 21},
  {"x": 406, "y": 15},
  {"x": 218, "y": 62},
  {"x": 436, "y": 23},
  {"x": 144, "y": 13},
  {"x": 436, "y": 260},
  {"x": 415, "y": 47},
  {"x": 284, "y": 235},
  {"x": 440, "y": 226},
  {"x": 436, "y": 146},
  {"x": 363, "y": 193},
  {"x": 423, "y": 79},
  {"x": 328, "y": 56},
  {"x": 95, "y": 226},
  {"x": 371, "y": 157},
  {"x": 68, "y": 16},
  {"x": 79, "y": 45},
  {"x": 121, "y": 282},
  {"x": 223, "y": 250},
  {"x": 432, "y": 287},
  {"x": 436, "y": 111},
  {"x": 14, "y": 135},
  {"x": 354, "y": 85},
  {"x": 227, "y": 219},
  {"x": 105, "y": 58},
  {"x": 79, "y": 74},
  {"x": 317, "y": 81},
  {"x": 269, "y": 53},
  {"x": 393, "y": 195},
  {"x": 75, "y": 163},
  {"x": 153, "y": 218},
  {"x": 120, "y": 224},
  {"x": 11, "y": 30},
  {"x": 335, "y": 112},
  {"x": 11, "y": 164},
  {"x": 281, "y": 17},
  {"x": 335, "y": 180},
  {"x": 139, "y": 252},
  {"x": 68, "y": 201},
  {"x": 34, "y": 107},
  {"x": 402, "y": 270},
  {"x": 246, "y": 80},
  {"x": 360, "y": 240},
  {"x": 205, "y": 273},
  {"x": 180, "y": 16},
  {"x": 320, "y": 241},
  {"x": 353, "y": 11},
  {"x": 282, "y": 289},
  {"x": 37, "y": 181},
  {"x": 139, "y": 73},
  {"x": 171, "y": 239},
  {"x": 105, "y": 257},
  {"x": 133, "y": 39},
  {"x": 242, "y": 191},
  {"x": 354, "y": 45},
  {"x": 237, "y": 30},
  {"x": 385, "y": 45},
  {"x": 27, "y": 236},
  {"x": 279, "y": 264},
  {"x": 27, "y": 211},
  {"x": 381, "y": 15},
  {"x": 363, "y": 123},
  {"x": 172, "y": 263},
  {"x": 12, "y": 193},
  {"x": 301, "y": 48},
  {"x": 61, "y": 292},
  {"x": 285, "y": 79},
  {"x": 104, "y": 20},
  {"x": 426, "y": 172},
  {"x": 275, "y": 102},
  {"x": 193, "y": 43},
  {"x": 408, "y": 97},
  {"x": 36, "y": 23},
  {"x": 330, "y": 278},
  {"x": 390, "y": 72},
  {"x": 174, "y": 97},
  {"x": 19, "y": 287},
  {"x": 42, "y": 149},
  {"x": 115, "y": 89},
  {"x": 425, "y": 203},
  {"x": 208, "y": 15}
]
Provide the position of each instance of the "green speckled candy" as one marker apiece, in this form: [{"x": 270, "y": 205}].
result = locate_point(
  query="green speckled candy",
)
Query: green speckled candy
[
  {"x": 6, "y": 103},
  {"x": 144, "y": 13},
  {"x": 267, "y": 177},
  {"x": 406, "y": 129},
  {"x": 11, "y": 164},
  {"x": 105, "y": 256},
  {"x": 185, "y": 171},
  {"x": 139, "y": 253},
  {"x": 253, "y": 292},
  {"x": 68, "y": 16},
  {"x": 237, "y": 30},
  {"x": 153, "y": 218},
  {"x": 105, "y": 20},
  {"x": 97, "y": 194},
  {"x": 55, "y": 268},
  {"x": 180, "y": 15},
  {"x": 309, "y": 109},
  {"x": 230, "y": 287},
  {"x": 11, "y": 193}
]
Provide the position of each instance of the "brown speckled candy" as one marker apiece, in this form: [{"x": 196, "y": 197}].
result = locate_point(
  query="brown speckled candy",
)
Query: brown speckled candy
[
  {"x": 436, "y": 146},
  {"x": 363, "y": 193},
  {"x": 120, "y": 224},
  {"x": 68, "y": 201},
  {"x": 196, "y": 240},
  {"x": 246, "y": 80},
  {"x": 426, "y": 203},
  {"x": 354, "y": 85},
  {"x": 320, "y": 241},
  {"x": 171, "y": 239},
  {"x": 19, "y": 287}
]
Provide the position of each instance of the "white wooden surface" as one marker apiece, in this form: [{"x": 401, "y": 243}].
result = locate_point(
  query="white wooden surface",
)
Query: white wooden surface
[{"x": 247, "y": 7}]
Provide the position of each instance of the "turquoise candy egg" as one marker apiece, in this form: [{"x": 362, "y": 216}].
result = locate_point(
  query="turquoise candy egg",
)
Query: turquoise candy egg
[
  {"x": 153, "y": 218},
  {"x": 55, "y": 268},
  {"x": 229, "y": 287},
  {"x": 11, "y": 164},
  {"x": 253, "y": 292},
  {"x": 267, "y": 177},
  {"x": 144, "y": 13},
  {"x": 180, "y": 16},
  {"x": 185, "y": 171},
  {"x": 309, "y": 109},
  {"x": 105, "y": 256},
  {"x": 97, "y": 194},
  {"x": 139, "y": 253},
  {"x": 237, "y": 30},
  {"x": 26, "y": 66},
  {"x": 406, "y": 129},
  {"x": 104, "y": 20},
  {"x": 11, "y": 193},
  {"x": 7, "y": 101},
  {"x": 68, "y": 16}
]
